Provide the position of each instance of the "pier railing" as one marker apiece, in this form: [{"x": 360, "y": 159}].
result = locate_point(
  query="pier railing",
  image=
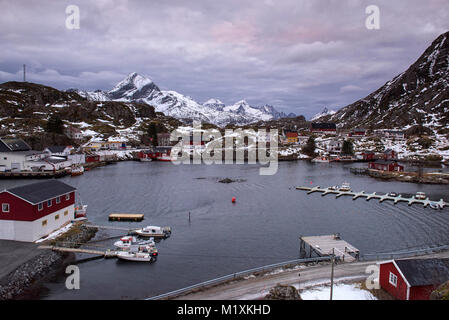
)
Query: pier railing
[{"x": 237, "y": 275}]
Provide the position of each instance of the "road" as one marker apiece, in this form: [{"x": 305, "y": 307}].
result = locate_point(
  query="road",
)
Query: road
[{"x": 258, "y": 287}]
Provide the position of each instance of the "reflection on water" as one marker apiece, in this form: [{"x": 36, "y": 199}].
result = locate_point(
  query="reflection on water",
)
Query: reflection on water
[{"x": 222, "y": 237}]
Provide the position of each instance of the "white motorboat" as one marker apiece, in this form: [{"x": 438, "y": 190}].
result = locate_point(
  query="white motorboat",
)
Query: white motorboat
[
  {"x": 321, "y": 159},
  {"x": 141, "y": 253},
  {"x": 146, "y": 159},
  {"x": 126, "y": 242},
  {"x": 155, "y": 232},
  {"x": 345, "y": 187},
  {"x": 420, "y": 196}
]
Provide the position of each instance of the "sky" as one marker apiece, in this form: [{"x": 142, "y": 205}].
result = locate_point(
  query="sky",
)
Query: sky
[{"x": 297, "y": 55}]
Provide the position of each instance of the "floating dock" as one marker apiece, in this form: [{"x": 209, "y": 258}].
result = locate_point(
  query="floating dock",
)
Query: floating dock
[
  {"x": 105, "y": 254},
  {"x": 126, "y": 217},
  {"x": 328, "y": 245},
  {"x": 382, "y": 197}
]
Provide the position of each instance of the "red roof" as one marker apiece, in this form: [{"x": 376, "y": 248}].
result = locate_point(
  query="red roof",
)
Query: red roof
[{"x": 292, "y": 134}]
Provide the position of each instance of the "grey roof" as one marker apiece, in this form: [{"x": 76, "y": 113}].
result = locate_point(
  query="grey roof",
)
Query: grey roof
[
  {"x": 41, "y": 191},
  {"x": 422, "y": 272},
  {"x": 7, "y": 145},
  {"x": 323, "y": 125},
  {"x": 56, "y": 149}
]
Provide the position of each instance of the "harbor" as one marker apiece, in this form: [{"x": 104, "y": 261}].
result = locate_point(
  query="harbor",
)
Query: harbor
[{"x": 223, "y": 237}]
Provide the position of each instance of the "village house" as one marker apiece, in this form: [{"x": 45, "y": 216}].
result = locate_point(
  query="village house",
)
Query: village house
[
  {"x": 413, "y": 279},
  {"x": 291, "y": 137},
  {"x": 334, "y": 146},
  {"x": 323, "y": 128},
  {"x": 73, "y": 133},
  {"x": 390, "y": 155},
  {"x": 16, "y": 156},
  {"x": 33, "y": 211},
  {"x": 61, "y": 151},
  {"x": 163, "y": 139},
  {"x": 368, "y": 156},
  {"x": 358, "y": 132},
  {"x": 390, "y": 134},
  {"x": 386, "y": 166}
]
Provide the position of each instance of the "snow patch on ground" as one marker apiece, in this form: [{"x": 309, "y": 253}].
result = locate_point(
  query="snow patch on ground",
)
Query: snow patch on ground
[
  {"x": 56, "y": 233},
  {"x": 341, "y": 291}
]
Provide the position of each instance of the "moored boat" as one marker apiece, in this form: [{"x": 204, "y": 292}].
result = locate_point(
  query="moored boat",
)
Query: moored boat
[
  {"x": 420, "y": 196},
  {"x": 126, "y": 242},
  {"x": 321, "y": 159},
  {"x": 77, "y": 171},
  {"x": 155, "y": 232},
  {"x": 393, "y": 194},
  {"x": 345, "y": 187}
]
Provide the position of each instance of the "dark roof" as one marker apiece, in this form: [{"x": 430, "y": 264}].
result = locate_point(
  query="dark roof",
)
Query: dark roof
[
  {"x": 56, "y": 149},
  {"x": 7, "y": 145},
  {"x": 41, "y": 191},
  {"x": 324, "y": 125},
  {"x": 422, "y": 272},
  {"x": 386, "y": 162}
]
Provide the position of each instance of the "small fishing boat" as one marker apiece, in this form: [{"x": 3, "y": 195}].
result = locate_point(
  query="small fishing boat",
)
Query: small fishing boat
[
  {"x": 80, "y": 209},
  {"x": 345, "y": 187},
  {"x": 77, "y": 171},
  {"x": 321, "y": 160},
  {"x": 126, "y": 242},
  {"x": 155, "y": 232},
  {"x": 420, "y": 196},
  {"x": 392, "y": 194},
  {"x": 146, "y": 158},
  {"x": 135, "y": 256},
  {"x": 333, "y": 188}
]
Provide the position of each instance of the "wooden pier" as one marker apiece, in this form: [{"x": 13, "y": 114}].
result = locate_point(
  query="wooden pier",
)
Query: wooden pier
[
  {"x": 33, "y": 174},
  {"x": 126, "y": 217},
  {"x": 326, "y": 246},
  {"x": 105, "y": 254},
  {"x": 382, "y": 197}
]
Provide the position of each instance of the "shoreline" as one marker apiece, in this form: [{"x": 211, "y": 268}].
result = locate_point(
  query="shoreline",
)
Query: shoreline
[{"x": 21, "y": 282}]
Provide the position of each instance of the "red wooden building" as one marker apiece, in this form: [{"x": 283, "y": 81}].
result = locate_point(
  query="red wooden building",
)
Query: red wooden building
[
  {"x": 386, "y": 166},
  {"x": 92, "y": 158},
  {"x": 413, "y": 279},
  {"x": 390, "y": 155},
  {"x": 30, "y": 212},
  {"x": 323, "y": 127},
  {"x": 368, "y": 156}
]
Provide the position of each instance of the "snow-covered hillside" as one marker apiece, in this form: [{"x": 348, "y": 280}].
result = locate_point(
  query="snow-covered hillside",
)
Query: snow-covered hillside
[{"x": 137, "y": 88}]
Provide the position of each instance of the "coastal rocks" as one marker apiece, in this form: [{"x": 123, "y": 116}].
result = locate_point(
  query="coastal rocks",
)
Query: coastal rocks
[
  {"x": 283, "y": 292},
  {"x": 16, "y": 284}
]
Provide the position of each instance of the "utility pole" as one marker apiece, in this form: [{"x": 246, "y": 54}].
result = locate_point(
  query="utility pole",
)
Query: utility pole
[
  {"x": 332, "y": 273},
  {"x": 24, "y": 72}
]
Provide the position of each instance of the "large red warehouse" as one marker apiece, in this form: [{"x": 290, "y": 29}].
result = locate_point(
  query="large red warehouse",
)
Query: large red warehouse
[
  {"x": 413, "y": 279},
  {"x": 33, "y": 211}
]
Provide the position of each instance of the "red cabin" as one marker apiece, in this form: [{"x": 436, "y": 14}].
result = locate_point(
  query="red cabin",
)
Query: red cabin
[
  {"x": 30, "y": 212},
  {"x": 390, "y": 155},
  {"x": 413, "y": 279},
  {"x": 386, "y": 166},
  {"x": 92, "y": 158},
  {"x": 368, "y": 156}
]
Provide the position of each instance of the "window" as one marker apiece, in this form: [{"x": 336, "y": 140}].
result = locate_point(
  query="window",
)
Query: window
[
  {"x": 58, "y": 200},
  {"x": 393, "y": 279},
  {"x": 5, "y": 207},
  {"x": 40, "y": 206},
  {"x": 49, "y": 203},
  {"x": 66, "y": 213},
  {"x": 44, "y": 223},
  {"x": 67, "y": 196},
  {"x": 57, "y": 217}
]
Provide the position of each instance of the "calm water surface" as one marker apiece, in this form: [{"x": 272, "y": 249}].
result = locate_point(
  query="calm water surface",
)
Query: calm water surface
[{"x": 261, "y": 228}]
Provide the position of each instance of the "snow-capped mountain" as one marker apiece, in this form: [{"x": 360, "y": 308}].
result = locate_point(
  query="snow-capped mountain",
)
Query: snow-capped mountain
[
  {"x": 325, "y": 112},
  {"x": 137, "y": 88},
  {"x": 418, "y": 96}
]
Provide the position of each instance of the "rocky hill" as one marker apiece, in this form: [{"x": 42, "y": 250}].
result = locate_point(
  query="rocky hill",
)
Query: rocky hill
[
  {"x": 26, "y": 107},
  {"x": 418, "y": 96}
]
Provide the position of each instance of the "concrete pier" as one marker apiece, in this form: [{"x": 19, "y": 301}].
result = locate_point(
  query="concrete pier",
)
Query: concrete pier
[{"x": 327, "y": 245}]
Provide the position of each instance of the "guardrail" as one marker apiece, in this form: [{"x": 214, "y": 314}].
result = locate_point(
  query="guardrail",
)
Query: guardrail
[
  {"x": 238, "y": 275},
  {"x": 402, "y": 253}
]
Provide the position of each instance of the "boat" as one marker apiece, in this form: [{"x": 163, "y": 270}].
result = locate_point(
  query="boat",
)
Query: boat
[
  {"x": 80, "y": 209},
  {"x": 420, "y": 196},
  {"x": 321, "y": 159},
  {"x": 153, "y": 231},
  {"x": 392, "y": 194},
  {"x": 145, "y": 158},
  {"x": 139, "y": 253},
  {"x": 126, "y": 242},
  {"x": 333, "y": 188},
  {"x": 345, "y": 187},
  {"x": 77, "y": 171}
]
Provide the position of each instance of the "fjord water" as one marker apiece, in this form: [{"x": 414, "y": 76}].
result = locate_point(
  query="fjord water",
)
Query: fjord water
[{"x": 261, "y": 228}]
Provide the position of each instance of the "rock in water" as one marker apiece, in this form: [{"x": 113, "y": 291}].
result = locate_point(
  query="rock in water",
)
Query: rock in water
[{"x": 283, "y": 292}]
